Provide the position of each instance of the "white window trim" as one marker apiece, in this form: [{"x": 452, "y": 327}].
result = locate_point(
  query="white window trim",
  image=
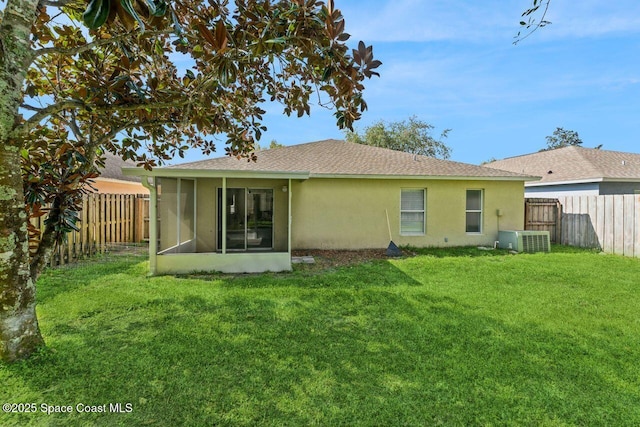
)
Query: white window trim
[
  {"x": 423, "y": 211},
  {"x": 481, "y": 210}
]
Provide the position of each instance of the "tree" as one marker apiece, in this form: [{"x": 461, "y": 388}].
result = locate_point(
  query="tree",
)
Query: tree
[
  {"x": 532, "y": 19},
  {"x": 147, "y": 80},
  {"x": 562, "y": 138},
  {"x": 273, "y": 144},
  {"x": 411, "y": 136}
]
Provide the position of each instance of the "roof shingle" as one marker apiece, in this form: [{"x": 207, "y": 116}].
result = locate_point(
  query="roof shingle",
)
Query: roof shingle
[
  {"x": 574, "y": 163},
  {"x": 113, "y": 168},
  {"x": 340, "y": 158}
]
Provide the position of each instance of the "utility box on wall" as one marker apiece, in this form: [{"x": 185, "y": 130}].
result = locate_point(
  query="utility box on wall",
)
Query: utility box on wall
[{"x": 524, "y": 240}]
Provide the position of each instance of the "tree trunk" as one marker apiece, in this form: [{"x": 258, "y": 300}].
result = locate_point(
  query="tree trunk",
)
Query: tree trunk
[
  {"x": 41, "y": 258},
  {"x": 19, "y": 332}
]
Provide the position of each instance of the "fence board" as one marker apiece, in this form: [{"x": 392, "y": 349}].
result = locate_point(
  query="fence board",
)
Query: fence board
[
  {"x": 618, "y": 225},
  {"x": 628, "y": 226},
  {"x": 636, "y": 238},
  {"x": 610, "y": 223},
  {"x": 104, "y": 219},
  {"x": 543, "y": 214},
  {"x": 600, "y": 221}
]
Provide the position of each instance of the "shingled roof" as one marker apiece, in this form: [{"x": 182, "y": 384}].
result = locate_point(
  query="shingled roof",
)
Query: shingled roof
[
  {"x": 574, "y": 163},
  {"x": 113, "y": 168},
  {"x": 336, "y": 158}
]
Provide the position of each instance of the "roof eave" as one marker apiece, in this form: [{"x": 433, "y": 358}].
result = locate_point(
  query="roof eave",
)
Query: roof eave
[
  {"x": 430, "y": 177},
  {"x": 208, "y": 173},
  {"x": 565, "y": 182},
  {"x": 583, "y": 181}
]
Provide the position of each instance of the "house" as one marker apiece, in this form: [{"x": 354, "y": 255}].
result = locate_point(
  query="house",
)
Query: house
[
  {"x": 232, "y": 215},
  {"x": 113, "y": 181},
  {"x": 576, "y": 171}
]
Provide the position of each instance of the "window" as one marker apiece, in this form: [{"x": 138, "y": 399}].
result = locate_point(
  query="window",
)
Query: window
[
  {"x": 412, "y": 212},
  {"x": 474, "y": 211}
]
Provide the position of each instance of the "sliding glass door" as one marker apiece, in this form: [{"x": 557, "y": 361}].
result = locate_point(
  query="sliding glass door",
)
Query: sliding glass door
[{"x": 249, "y": 219}]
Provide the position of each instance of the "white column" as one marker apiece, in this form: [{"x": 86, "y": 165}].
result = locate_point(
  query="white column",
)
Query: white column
[
  {"x": 153, "y": 222},
  {"x": 224, "y": 215},
  {"x": 290, "y": 219}
]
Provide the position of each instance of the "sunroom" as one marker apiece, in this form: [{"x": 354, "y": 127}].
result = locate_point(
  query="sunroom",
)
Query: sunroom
[{"x": 226, "y": 221}]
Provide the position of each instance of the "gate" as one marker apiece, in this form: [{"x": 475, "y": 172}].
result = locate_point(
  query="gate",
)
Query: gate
[{"x": 544, "y": 215}]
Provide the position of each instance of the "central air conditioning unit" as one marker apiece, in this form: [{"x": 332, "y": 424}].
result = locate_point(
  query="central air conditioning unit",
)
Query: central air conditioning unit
[{"x": 525, "y": 241}]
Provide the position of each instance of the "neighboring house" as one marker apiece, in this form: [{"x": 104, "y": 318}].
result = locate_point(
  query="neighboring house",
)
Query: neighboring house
[
  {"x": 112, "y": 181},
  {"x": 232, "y": 215},
  {"x": 576, "y": 171}
]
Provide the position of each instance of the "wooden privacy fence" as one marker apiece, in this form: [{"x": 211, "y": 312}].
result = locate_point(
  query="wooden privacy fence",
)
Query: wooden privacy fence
[
  {"x": 544, "y": 215},
  {"x": 105, "y": 220},
  {"x": 610, "y": 223}
]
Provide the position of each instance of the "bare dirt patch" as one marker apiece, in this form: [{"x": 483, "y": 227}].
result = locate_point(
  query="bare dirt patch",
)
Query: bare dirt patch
[{"x": 339, "y": 258}]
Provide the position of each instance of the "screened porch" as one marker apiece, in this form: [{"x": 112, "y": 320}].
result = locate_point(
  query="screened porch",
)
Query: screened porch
[{"x": 231, "y": 224}]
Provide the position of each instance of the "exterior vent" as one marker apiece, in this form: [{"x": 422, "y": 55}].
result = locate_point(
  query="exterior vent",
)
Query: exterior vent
[{"x": 525, "y": 241}]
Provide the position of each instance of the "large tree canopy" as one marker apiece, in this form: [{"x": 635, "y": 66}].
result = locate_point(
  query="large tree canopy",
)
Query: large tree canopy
[
  {"x": 562, "y": 137},
  {"x": 411, "y": 136},
  {"x": 145, "y": 79}
]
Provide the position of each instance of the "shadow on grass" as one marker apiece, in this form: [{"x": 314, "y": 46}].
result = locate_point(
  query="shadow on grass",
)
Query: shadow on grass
[
  {"x": 474, "y": 251},
  {"x": 77, "y": 275},
  {"x": 188, "y": 352},
  {"x": 458, "y": 251},
  {"x": 373, "y": 273}
]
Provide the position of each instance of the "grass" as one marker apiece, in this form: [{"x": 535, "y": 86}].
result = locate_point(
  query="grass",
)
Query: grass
[{"x": 448, "y": 337}]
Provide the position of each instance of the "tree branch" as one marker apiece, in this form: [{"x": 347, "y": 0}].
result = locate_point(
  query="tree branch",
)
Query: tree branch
[
  {"x": 75, "y": 104},
  {"x": 539, "y": 24},
  {"x": 43, "y": 113},
  {"x": 58, "y": 4},
  {"x": 97, "y": 44}
]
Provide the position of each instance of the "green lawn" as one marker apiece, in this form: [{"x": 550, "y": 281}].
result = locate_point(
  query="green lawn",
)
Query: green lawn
[{"x": 457, "y": 337}]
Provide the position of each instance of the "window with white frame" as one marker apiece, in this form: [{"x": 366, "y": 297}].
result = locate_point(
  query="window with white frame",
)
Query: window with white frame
[
  {"x": 412, "y": 212},
  {"x": 474, "y": 211}
]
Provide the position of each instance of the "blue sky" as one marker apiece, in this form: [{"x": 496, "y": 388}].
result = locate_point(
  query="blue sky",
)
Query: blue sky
[{"x": 452, "y": 64}]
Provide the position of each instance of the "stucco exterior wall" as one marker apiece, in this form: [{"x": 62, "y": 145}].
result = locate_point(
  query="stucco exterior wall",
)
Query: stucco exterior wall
[
  {"x": 207, "y": 211},
  {"x": 206, "y": 216},
  {"x": 350, "y": 213},
  {"x": 167, "y": 213}
]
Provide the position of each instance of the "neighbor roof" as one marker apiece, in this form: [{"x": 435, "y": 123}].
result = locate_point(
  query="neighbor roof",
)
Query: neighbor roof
[
  {"x": 336, "y": 158},
  {"x": 574, "y": 164},
  {"x": 113, "y": 168}
]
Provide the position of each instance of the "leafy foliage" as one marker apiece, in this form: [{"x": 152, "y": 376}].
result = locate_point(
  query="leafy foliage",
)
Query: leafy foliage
[
  {"x": 532, "y": 19},
  {"x": 55, "y": 179},
  {"x": 562, "y": 138},
  {"x": 411, "y": 136},
  {"x": 151, "y": 79}
]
